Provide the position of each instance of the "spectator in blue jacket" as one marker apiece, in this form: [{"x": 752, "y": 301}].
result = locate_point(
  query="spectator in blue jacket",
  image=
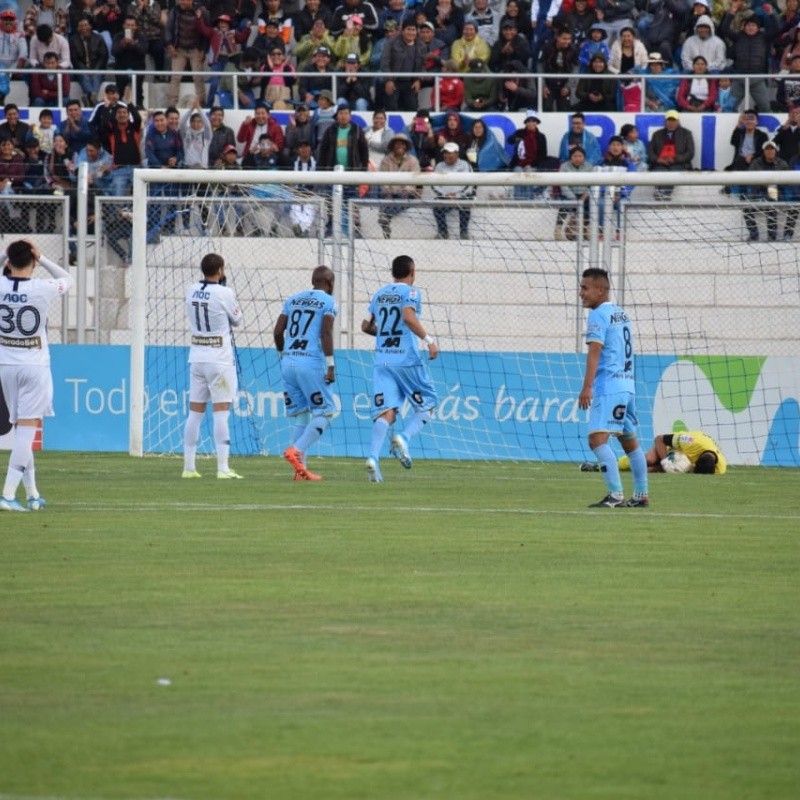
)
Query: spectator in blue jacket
[
  {"x": 162, "y": 147},
  {"x": 660, "y": 95},
  {"x": 578, "y": 136}
]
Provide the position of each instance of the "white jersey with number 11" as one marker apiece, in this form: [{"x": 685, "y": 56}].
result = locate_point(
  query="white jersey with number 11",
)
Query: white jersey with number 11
[{"x": 212, "y": 310}]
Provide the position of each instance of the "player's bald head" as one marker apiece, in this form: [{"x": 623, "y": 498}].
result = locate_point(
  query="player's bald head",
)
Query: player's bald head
[{"x": 322, "y": 276}]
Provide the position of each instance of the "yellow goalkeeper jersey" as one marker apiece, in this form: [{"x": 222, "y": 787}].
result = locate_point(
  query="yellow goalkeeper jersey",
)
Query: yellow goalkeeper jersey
[{"x": 694, "y": 443}]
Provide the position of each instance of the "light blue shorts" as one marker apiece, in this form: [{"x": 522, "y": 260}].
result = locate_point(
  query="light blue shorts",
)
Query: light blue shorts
[
  {"x": 393, "y": 385},
  {"x": 614, "y": 414},
  {"x": 304, "y": 389}
]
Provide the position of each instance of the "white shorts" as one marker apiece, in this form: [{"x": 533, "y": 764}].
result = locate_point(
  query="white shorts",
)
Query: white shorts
[
  {"x": 213, "y": 382},
  {"x": 28, "y": 391}
]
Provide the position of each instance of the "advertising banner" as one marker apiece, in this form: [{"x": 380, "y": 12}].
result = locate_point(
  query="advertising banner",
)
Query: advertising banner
[{"x": 492, "y": 405}]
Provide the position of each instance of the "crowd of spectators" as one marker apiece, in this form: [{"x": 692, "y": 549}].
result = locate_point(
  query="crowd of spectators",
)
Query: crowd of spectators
[
  {"x": 582, "y": 44},
  {"x": 260, "y": 46}
]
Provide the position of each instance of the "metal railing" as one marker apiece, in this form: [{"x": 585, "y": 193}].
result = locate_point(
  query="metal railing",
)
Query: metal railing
[{"x": 433, "y": 79}]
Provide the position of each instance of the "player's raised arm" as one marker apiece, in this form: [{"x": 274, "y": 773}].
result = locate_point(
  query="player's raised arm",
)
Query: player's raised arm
[{"x": 56, "y": 271}]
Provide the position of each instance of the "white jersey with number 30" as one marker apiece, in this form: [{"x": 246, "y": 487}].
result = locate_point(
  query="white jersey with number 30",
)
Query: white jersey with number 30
[
  {"x": 212, "y": 310},
  {"x": 24, "y": 305}
]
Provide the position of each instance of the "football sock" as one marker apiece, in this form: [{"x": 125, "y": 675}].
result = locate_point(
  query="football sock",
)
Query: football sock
[
  {"x": 222, "y": 439},
  {"x": 29, "y": 479},
  {"x": 191, "y": 433},
  {"x": 608, "y": 468},
  {"x": 312, "y": 432},
  {"x": 418, "y": 421},
  {"x": 300, "y": 424},
  {"x": 379, "y": 430},
  {"x": 639, "y": 469},
  {"x": 21, "y": 456}
]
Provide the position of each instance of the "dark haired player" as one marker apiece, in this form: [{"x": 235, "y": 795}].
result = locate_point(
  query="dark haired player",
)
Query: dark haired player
[
  {"x": 608, "y": 390},
  {"x": 399, "y": 373},
  {"x": 212, "y": 309},
  {"x": 25, "y": 375}
]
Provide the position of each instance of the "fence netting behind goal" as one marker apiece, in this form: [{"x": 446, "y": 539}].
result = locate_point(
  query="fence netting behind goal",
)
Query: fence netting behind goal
[{"x": 715, "y": 313}]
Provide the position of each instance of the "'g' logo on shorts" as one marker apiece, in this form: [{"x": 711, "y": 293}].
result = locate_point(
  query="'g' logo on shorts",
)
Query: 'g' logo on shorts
[
  {"x": 618, "y": 413},
  {"x": 379, "y": 401}
]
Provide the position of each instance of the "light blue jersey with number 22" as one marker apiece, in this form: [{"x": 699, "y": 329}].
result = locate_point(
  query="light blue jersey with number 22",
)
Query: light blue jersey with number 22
[{"x": 395, "y": 344}]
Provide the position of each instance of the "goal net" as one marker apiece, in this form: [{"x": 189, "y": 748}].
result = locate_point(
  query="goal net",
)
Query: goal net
[{"x": 715, "y": 308}]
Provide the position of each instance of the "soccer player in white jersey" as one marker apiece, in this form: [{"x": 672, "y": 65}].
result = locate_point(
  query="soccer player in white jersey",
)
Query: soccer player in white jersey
[
  {"x": 608, "y": 390},
  {"x": 304, "y": 339},
  {"x": 399, "y": 373},
  {"x": 212, "y": 309},
  {"x": 25, "y": 361}
]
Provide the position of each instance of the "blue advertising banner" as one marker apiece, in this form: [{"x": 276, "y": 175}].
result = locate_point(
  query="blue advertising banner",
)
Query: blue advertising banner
[{"x": 491, "y": 405}]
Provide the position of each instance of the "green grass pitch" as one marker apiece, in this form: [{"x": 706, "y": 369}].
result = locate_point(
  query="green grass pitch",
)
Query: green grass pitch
[{"x": 464, "y": 630}]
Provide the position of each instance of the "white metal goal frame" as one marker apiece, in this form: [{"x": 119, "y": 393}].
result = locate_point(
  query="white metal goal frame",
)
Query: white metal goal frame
[{"x": 335, "y": 180}]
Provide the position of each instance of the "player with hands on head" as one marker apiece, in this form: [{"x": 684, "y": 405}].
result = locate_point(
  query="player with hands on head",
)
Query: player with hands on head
[
  {"x": 608, "y": 390},
  {"x": 25, "y": 375},
  {"x": 212, "y": 310},
  {"x": 303, "y": 337},
  {"x": 399, "y": 373}
]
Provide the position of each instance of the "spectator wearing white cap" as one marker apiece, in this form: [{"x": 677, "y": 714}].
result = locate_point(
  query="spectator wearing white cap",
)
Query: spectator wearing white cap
[
  {"x": 451, "y": 164},
  {"x": 764, "y": 196}
]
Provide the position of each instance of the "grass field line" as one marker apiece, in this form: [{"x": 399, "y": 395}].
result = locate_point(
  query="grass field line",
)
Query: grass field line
[
  {"x": 178, "y": 506},
  {"x": 72, "y": 797}
]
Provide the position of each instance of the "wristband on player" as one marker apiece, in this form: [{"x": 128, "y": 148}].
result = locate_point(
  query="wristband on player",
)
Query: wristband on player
[
  {"x": 428, "y": 340},
  {"x": 328, "y": 361}
]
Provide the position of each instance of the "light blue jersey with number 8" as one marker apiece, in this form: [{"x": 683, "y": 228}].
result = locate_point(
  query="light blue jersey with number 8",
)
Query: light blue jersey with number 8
[{"x": 611, "y": 326}]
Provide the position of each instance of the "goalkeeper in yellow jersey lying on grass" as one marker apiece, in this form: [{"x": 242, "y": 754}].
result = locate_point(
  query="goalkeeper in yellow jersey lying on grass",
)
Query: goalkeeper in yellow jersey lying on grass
[{"x": 686, "y": 451}]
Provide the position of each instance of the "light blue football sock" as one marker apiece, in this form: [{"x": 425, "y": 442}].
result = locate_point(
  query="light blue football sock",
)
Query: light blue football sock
[
  {"x": 379, "y": 430},
  {"x": 608, "y": 468},
  {"x": 417, "y": 423},
  {"x": 312, "y": 433},
  {"x": 638, "y": 462}
]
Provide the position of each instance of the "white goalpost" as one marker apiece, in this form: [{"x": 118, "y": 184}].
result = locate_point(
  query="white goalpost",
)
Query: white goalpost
[{"x": 716, "y": 311}]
